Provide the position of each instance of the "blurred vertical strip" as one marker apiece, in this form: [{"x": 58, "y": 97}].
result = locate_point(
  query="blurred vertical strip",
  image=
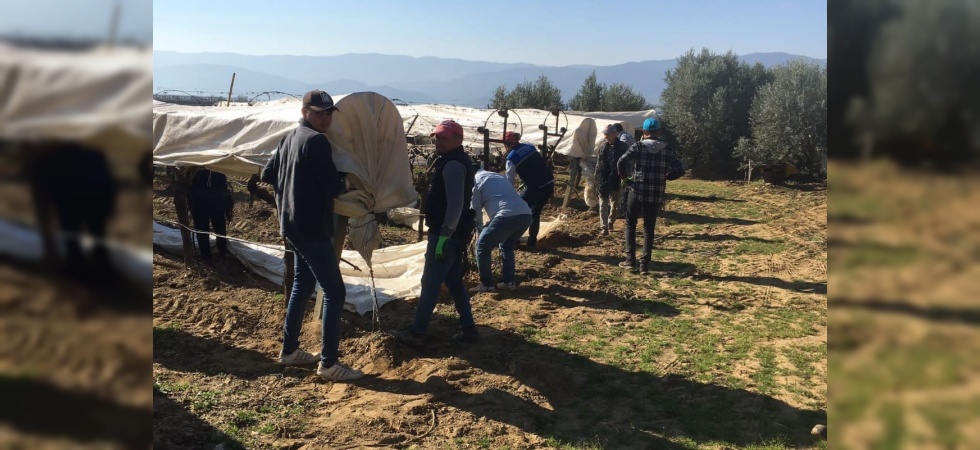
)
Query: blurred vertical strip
[
  {"x": 75, "y": 241},
  {"x": 904, "y": 210}
]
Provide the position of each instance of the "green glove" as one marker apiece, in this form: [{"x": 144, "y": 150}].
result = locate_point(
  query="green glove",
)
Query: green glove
[{"x": 440, "y": 247}]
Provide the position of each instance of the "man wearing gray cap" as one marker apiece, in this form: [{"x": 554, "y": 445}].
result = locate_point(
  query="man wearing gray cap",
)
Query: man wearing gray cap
[
  {"x": 306, "y": 182},
  {"x": 607, "y": 177}
]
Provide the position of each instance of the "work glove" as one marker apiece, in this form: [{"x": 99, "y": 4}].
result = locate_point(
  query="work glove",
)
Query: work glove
[{"x": 440, "y": 246}]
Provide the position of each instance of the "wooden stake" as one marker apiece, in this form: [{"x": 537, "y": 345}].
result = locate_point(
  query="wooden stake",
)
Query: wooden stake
[
  {"x": 574, "y": 170},
  {"x": 231, "y": 88}
]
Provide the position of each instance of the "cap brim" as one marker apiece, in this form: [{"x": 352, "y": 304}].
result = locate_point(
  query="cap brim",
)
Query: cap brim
[{"x": 320, "y": 108}]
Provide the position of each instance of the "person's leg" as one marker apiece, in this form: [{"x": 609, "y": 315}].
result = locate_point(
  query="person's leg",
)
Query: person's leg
[
  {"x": 433, "y": 275},
  {"x": 517, "y": 226},
  {"x": 604, "y": 208},
  {"x": 649, "y": 225},
  {"x": 632, "y": 215},
  {"x": 70, "y": 224},
  {"x": 491, "y": 236},
  {"x": 454, "y": 281},
  {"x": 201, "y": 219},
  {"x": 217, "y": 216},
  {"x": 304, "y": 283},
  {"x": 99, "y": 262},
  {"x": 535, "y": 200},
  {"x": 319, "y": 256},
  {"x": 613, "y": 209}
]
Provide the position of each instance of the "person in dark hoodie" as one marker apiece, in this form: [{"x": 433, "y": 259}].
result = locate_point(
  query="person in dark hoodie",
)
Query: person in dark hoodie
[
  {"x": 450, "y": 221},
  {"x": 306, "y": 183}
]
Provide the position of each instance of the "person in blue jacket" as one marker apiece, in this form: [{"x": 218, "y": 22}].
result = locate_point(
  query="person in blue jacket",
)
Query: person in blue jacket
[{"x": 525, "y": 161}]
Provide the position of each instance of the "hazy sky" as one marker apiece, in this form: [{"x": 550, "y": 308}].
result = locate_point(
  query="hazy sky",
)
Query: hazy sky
[
  {"x": 85, "y": 19},
  {"x": 538, "y": 32},
  {"x": 544, "y": 32}
]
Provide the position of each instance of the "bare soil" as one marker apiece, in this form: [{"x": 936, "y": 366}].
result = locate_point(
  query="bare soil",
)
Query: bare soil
[
  {"x": 75, "y": 356},
  {"x": 535, "y": 380}
]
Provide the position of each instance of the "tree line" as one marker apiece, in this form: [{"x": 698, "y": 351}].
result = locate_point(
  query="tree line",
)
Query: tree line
[{"x": 719, "y": 112}]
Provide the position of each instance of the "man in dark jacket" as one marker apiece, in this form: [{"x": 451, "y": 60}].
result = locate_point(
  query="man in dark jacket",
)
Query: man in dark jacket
[
  {"x": 650, "y": 159},
  {"x": 211, "y": 205},
  {"x": 450, "y": 221},
  {"x": 306, "y": 183},
  {"x": 607, "y": 178},
  {"x": 539, "y": 181},
  {"x": 75, "y": 182}
]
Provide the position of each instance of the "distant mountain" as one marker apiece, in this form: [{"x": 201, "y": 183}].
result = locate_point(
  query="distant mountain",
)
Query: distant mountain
[
  {"x": 216, "y": 79},
  {"x": 368, "y": 68},
  {"x": 778, "y": 58},
  {"x": 419, "y": 80}
]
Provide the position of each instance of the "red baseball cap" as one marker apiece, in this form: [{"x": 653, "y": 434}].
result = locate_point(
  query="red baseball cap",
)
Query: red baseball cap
[
  {"x": 511, "y": 136},
  {"x": 447, "y": 128}
]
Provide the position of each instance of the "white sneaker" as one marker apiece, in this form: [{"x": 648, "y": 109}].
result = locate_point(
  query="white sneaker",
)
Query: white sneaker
[
  {"x": 298, "y": 358},
  {"x": 481, "y": 288},
  {"x": 338, "y": 372},
  {"x": 508, "y": 286}
]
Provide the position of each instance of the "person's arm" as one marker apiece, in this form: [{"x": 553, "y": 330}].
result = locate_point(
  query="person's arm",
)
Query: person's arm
[
  {"x": 511, "y": 172},
  {"x": 626, "y": 159},
  {"x": 600, "y": 165},
  {"x": 477, "y": 205},
  {"x": 270, "y": 172},
  {"x": 454, "y": 175}
]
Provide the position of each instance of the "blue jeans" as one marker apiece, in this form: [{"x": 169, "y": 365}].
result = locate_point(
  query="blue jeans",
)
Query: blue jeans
[
  {"x": 315, "y": 262},
  {"x": 504, "y": 232},
  {"x": 434, "y": 274}
]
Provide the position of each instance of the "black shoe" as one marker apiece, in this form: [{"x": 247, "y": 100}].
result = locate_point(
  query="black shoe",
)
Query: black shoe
[
  {"x": 468, "y": 335},
  {"x": 644, "y": 270},
  {"x": 409, "y": 337}
]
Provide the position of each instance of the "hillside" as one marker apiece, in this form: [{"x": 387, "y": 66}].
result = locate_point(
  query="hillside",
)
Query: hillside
[{"x": 416, "y": 80}]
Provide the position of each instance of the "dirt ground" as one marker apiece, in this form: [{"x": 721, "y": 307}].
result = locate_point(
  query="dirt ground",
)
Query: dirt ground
[
  {"x": 75, "y": 357},
  {"x": 906, "y": 258},
  {"x": 582, "y": 355}
]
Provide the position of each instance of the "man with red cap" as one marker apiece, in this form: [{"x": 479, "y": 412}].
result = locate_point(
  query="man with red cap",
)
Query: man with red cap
[
  {"x": 450, "y": 221},
  {"x": 539, "y": 182},
  {"x": 306, "y": 183}
]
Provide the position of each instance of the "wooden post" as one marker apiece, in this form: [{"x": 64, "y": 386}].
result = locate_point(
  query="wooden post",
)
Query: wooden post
[
  {"x": 231, "y": 88},
  {"x": 574, "y": 170},
  {"x": 181, "y": 188},
  {"x": 114, "y": 25}
]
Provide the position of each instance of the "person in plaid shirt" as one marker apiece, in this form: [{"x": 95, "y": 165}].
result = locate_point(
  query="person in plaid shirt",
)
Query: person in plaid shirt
[{"x": 651, "y": 160}]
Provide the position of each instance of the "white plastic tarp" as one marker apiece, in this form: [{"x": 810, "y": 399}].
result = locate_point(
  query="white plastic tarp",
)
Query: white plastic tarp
[
  {"x": 98, "y": 97},
  {"x": 582, "y": 128},
  {"x": 25, "y": 243},
  {"x": 397, "y": 270},
  {"x": 366, "y": 135}
]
